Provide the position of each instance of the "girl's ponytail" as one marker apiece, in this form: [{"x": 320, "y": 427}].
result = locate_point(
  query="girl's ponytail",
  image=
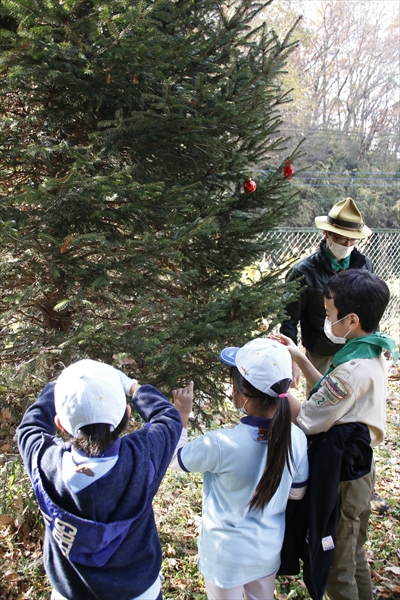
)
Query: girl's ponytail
[
  {"x": 279, "y": 447},
  {"x": 278, "y": 435}
]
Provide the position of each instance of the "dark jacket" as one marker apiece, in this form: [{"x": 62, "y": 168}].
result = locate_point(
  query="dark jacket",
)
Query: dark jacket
[
  {"x": 123, "y": 495},
  {"x": 342, "y": 453},
  {"x": 313, "y": 272}
]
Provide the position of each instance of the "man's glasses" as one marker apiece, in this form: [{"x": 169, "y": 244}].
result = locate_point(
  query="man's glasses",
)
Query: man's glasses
[{"x": 341, "y": 239}]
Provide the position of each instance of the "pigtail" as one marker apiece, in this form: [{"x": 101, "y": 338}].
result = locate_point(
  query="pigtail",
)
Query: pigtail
[
  {"x": 278, "y": 435},
  {"x": 279, "y": 449}
]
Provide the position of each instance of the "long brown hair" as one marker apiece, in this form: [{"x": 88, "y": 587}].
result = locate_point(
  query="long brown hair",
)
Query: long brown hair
[{"x": 278, "y": 436}]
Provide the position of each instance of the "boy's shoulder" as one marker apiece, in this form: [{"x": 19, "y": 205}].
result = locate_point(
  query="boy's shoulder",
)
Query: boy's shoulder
[
  {"x": 357, "y": 369},
  {"x": 355, "y": 391},
  {"x": 353, "y": 378}
]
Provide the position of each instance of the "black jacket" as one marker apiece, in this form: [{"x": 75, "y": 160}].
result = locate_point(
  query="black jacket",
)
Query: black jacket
[
  {"x": 313, "y": 272},
  {"x": 341, "y": 454}
]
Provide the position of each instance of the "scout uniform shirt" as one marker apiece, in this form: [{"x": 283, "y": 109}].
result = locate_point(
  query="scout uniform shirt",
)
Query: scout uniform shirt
[{"x": 354, "y": 389}]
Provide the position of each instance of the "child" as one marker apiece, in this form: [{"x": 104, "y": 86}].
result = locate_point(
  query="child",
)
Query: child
[
  {"x": 96, "y": 491},
  {"x": 250, "y": 471},
  {"x": 353, "y": 391}
]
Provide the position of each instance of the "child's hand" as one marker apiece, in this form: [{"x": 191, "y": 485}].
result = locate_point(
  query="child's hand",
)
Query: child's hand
[
  {"x": 294, "y": 350},
  {"x": 283, "y": 339},
  {"x": 183, "y": 401},
  {"x": 130, "y": 385}
]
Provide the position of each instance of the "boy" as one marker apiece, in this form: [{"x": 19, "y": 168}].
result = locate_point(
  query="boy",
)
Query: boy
[
  {"x": 95, "y": 492},
  {"x": 353, "y": 391}
]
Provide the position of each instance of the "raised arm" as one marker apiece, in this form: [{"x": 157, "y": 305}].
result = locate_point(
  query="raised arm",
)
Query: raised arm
[{"x": 183, "y": 402}]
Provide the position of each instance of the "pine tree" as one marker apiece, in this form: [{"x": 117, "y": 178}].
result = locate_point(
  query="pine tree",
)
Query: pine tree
[{"x": 128, "y": 130}]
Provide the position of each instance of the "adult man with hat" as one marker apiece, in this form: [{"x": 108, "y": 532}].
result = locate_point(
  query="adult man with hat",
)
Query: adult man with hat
[{"x": 343, "y": 227}]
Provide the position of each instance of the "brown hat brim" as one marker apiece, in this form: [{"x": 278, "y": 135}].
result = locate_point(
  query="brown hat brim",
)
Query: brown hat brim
[{"x": 322, "y": 223}]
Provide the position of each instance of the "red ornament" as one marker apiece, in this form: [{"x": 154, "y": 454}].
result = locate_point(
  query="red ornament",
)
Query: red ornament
[
  {"x": 288, "y": 170},
  {"x": 250, "y": 186}
]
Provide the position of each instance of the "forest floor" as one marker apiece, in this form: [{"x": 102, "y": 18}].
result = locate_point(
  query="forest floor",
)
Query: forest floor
[{"x": 178, "y": 514}]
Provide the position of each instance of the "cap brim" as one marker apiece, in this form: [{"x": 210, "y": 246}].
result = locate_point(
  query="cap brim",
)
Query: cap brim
[
  {"x": 228, "y": 356},
  {"x": 364, "y": 232}
]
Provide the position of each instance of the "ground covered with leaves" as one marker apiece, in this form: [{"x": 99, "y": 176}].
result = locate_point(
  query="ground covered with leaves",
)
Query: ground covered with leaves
[{"x": 178, "y": 514}]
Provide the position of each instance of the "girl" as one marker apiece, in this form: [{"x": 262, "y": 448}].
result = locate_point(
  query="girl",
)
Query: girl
[{"x": 250, "y": 471}]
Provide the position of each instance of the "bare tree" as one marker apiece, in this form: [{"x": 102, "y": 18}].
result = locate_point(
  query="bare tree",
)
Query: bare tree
[
  {"x": 349, "y": 59},
  {"x": 344, "y": 75}
]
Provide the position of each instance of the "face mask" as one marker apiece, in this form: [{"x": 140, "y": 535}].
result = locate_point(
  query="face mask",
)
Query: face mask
[
  {"x": 242, "y": 410},
  {"x": 338, "y": 251},
  {"x": 336, "y": 339}
]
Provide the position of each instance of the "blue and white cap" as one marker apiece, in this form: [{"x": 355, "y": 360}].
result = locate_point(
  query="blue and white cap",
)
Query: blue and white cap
[
  {"x": 89, "y": 392},
  {"x": 262, "y": 362}
]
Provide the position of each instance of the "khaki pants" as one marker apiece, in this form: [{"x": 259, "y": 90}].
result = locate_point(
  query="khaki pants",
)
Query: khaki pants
[
  {"x": 321, "y": 363},
  {"x": 349, "y": 578}
]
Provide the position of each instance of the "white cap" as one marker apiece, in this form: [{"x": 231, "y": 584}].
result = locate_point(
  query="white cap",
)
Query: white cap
[
  {"x": 89, "y": 392},
  {"x": 262, "y": 362}
]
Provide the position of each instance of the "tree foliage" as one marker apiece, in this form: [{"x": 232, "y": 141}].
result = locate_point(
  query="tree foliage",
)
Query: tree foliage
[{"x": 128, "y": 130}]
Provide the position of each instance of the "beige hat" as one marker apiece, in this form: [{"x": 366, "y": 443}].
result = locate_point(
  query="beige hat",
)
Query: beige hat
[{"x": 344, "y": 219}]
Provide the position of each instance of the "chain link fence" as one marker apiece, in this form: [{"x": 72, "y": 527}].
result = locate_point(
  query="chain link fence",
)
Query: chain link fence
[{"x": 382, "y": 247}]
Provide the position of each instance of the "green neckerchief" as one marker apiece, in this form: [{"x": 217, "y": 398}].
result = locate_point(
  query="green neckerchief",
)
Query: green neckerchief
[
  {"x": 368, "y": 346},
  {"x": 337, "y": 265}
]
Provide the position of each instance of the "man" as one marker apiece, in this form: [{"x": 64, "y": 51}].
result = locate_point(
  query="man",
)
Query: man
[{"x": 343, "y": 227}]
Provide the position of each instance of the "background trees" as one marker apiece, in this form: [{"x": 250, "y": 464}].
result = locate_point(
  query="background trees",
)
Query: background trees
[
  {"x": 128, "y": 130},
  {"x": 347, "y": 106}
]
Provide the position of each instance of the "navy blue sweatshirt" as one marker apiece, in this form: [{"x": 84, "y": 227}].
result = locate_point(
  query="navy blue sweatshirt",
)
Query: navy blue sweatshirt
[{"x": 124, "y": 493}]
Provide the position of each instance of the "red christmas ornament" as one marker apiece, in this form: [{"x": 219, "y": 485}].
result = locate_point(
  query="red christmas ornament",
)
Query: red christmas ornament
[
  {"x": 288, "y": 170},
  {"x": 250, "y": 186}
]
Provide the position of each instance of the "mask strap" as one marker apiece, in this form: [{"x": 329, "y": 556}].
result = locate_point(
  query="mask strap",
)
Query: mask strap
[{"x": 242, "y": 409}]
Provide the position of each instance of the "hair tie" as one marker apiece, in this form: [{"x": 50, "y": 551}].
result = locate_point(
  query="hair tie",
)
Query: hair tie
[{"x": 282, "y": 396}]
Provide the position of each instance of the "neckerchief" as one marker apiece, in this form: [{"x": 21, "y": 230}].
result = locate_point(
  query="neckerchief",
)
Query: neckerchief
[
  {"x": 337, "y": 265},
  {"x": 368, "y": 346}
]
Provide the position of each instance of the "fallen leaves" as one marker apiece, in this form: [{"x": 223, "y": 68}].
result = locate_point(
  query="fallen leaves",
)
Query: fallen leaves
[
  {"x": 18, "y": 551},
  {"x": 178, "y": 515},
  {"x": 384, "y": 530}
]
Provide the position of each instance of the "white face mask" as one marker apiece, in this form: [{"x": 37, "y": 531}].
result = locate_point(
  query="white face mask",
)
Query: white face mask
[
  {"x": 336, "y": 339},
  {"x": 242, "y": 410},
  {"x": 338, "y": 251}
]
